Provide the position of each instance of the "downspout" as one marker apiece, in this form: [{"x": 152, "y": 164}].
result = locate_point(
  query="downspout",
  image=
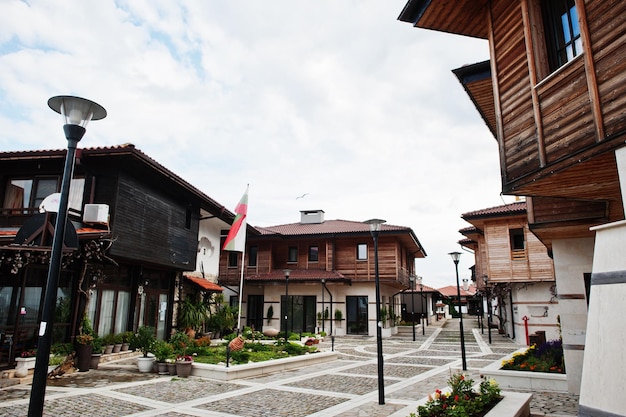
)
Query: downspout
[
  {"x": 512, "y": 316},
  {"x": 331, "y": 307}
]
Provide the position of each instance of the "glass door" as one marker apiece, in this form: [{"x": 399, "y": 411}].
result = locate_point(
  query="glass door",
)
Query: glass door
[{"x": 356, "y": 315}]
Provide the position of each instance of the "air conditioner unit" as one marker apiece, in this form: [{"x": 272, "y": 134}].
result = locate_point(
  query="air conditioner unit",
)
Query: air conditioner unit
[{"x": 96, "y": 213}]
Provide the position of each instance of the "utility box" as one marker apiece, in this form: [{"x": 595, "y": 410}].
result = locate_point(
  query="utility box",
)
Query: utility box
[{"x": 96, "y": 213}]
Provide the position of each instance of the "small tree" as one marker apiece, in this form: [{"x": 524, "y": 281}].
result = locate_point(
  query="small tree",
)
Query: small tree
[{"x": 144, "y": 340}]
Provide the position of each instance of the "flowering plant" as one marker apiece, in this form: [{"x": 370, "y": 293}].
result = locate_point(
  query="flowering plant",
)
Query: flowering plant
[
  {"x": 184, "y": 358},
  {"x": 84, "y": 339},
  {"x": 29, "y": 353},
  {"x": 548, "y": 357},
  {"x": 462, "y": 400}
]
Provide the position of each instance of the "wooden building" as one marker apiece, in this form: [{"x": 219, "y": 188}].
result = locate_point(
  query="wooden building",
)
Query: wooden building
[
  {"x": 514, "y": 270},
  {"x": 331, "y": 268},
  {"x": 553, "y": 94},
  {"x": 145, "y": 218}
]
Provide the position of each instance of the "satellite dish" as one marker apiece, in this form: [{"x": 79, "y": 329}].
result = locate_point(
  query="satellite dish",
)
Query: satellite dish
[{"x": 50, "y": 204}]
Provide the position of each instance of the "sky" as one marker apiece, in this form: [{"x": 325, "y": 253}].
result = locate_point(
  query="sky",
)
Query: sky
[{"x": 335, "y": 102}]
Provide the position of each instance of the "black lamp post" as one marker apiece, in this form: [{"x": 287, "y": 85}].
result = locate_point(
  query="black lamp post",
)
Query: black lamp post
[
  {"x": 421, "y": 284},
  {"x": 375, "y": 225},
  {"x": 76, "y": 112},
  {"x": 455, "y": 258},
  {"x": 488, "y": 307},
  {"x": 287, "y": 272},
  {"x": 412, "y": 280}
]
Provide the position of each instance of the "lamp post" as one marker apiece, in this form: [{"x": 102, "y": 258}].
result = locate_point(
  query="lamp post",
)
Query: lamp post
[
  {"x": 455, "y": 258},
  {"x": 76, "y": 112},
  {"x": 287, "y": 272},
  {"x": 421, "y": 284},
  {"x": 412, "y": 280},
  {"x": 375, "y": 225},
  {"x": 488, "y": 307}
]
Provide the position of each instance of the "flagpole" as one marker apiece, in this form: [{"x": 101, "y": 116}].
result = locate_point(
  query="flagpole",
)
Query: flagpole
[{"x": 243, "y": 258}]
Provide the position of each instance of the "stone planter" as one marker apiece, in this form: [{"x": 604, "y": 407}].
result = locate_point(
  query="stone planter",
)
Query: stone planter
[
  {"x": 514, "y": 404},
  {"x": 117, "y": 348},
  {"x": 108, "y": 349},
  {"x": 95, "y": 360},
  {"x": 23, "y": 365},
  {"x": 145, "y": 364},
  {"x": 183, "y": 368},
  {"x": 83, "y": 353},
  {"x": 163, "y": 368},
  {"x": 125, "y": 347},
  {"x": 171, "y": 368}
]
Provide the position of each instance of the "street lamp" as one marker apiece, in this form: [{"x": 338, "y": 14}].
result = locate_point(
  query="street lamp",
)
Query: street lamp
[
  {"x": 76, "y": 112},
  {"x": 287, "y": 272},
  {"x": 486, "y": 279},
  {"x": 412, "y": 279},
  {"x": 375, "y": 225},
  {"x": 455, "y": 258},
  {"x": 421, "y": 284}
]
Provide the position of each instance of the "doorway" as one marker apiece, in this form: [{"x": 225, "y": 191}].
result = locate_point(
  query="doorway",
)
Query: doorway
[{"x": 356, "y": 314}]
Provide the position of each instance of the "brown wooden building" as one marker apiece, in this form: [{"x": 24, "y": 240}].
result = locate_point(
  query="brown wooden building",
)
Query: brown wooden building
[
  {"x": 514, "y": 270},
  {"x": 329, "y": 261},
  {"x": 146, "y": 217},
  {"x": 553, "y": 94}
]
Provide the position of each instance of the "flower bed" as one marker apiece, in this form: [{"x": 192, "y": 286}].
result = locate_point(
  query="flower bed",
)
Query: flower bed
[{"x": 547, "y": 357}]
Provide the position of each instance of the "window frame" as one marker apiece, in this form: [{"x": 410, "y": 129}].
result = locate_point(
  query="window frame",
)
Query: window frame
[
  {"x": 253, "y": 253},
  {"x": 233, "y": 259},
  {"x": 358, "y": 252},
  {"x": 517, "y": 252},
  {"x": 292, "y": 250},
  {"x": 561, "y": 41},
  {"x": 313, "y": 253}
]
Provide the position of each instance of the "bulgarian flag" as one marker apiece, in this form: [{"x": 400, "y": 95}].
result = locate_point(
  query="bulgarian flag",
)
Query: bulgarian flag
[{"x": 236, "y": 239}]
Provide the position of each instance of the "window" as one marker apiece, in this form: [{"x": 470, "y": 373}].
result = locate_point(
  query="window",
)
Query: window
[
  {"x": 188, "y": 218},
  {"x": 361, "y": 251},
  {"x": 233, "y": 259},
  {"x": 518, "y": 244},
  {"x": 314, "y": 253},
  {"x": 252, "y": 255},
  {"x": 562, "y": 32},
  {"x": 292, "y": 256},
  {"x": 30, "y": 192}
]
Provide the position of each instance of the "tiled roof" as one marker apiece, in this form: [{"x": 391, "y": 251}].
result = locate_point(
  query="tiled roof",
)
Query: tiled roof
[
  {"x": 327, "y": 227},
  {"x": 299, "y": 275},
  {"x": 505, "y": 210},
  {"x": 204, "y": 283},
  {"x": 451, "y": 291}
]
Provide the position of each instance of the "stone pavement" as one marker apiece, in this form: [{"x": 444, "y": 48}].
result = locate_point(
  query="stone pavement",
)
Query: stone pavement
[{"x": 347, "y": 387}]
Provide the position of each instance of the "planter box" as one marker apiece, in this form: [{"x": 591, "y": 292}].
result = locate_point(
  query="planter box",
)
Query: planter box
[
  {"x": 534, "y": 381},
  {"x": 513, "y": 404},
  {"x": 222, "y": 373}
]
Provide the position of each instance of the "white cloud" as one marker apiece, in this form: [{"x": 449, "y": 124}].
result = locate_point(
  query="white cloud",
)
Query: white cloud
[{"x": 335, "y": 99}]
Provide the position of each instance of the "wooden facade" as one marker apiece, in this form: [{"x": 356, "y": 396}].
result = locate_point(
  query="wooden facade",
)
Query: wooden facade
[
  {"x": 557, "y": 129},
  {"x": 152, "y": 219}
]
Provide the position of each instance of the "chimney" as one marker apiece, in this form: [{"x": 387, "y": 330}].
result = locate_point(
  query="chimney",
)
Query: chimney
[{"x": 311, "y": 216}]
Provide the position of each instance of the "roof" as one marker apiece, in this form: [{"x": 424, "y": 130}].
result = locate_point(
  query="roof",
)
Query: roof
[
  {"x": 516, "y": 208},
  {"x": 127, "y": 150},
  {"x": 341, "y": 227},
  {"x": 451, "y": 291},
  {"x": 299, "y": 275},
  {"x": 462, "y": 17},
  {"x": 204, "y": 283}
]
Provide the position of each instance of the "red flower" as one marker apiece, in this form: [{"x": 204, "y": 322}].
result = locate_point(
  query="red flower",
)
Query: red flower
[{"x": 456, "y": 398}]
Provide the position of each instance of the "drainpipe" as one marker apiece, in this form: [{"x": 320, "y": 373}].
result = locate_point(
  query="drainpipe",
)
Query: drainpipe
[
  {"x": 331, "y": 308},
  {"x": 512, "y": 316}
]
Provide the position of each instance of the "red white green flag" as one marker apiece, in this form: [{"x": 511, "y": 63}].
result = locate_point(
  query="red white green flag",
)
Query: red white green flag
[{"x": 236, "y": 239}]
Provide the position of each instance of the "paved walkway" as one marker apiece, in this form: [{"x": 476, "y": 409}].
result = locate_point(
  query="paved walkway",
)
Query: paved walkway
[{"x": 347, "y": 387}]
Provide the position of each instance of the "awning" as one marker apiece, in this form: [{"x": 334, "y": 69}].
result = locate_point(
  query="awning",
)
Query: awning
[{"x": 205, "y": 284}]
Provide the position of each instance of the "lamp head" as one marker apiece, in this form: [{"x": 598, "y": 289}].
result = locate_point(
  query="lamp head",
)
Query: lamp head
[
  {"x": 375, "y": 224},
  {"x": 419, "y": 280},
  {"x": 455, "y": 256},
  {"x": 76, "y": 110},
  {"x": 287, "y": 272}
]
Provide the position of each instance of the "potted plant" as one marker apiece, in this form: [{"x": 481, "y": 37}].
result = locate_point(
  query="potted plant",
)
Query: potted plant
[
  {"x": 126, "y": 337},
  {"x": 183, "y": 365},
  {"x": 84, "y": 348},
  {"x": 117, "y": 343},
  {"x": 109, "y": 343},
  {"x": 144, "y": 341},
  {"x": 163, "y": 351},
  {"x": 96, "y": 352},
  {"x": 191, "y": 316}
]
